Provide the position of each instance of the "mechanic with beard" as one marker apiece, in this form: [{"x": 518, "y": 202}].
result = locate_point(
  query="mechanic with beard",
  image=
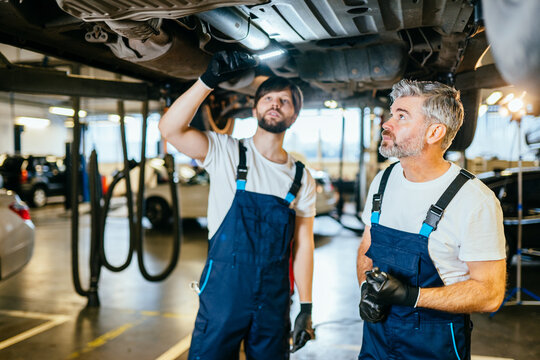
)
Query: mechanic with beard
[
  {"x": 422, "y": 275},
  {"x": 260, "y": 209}
]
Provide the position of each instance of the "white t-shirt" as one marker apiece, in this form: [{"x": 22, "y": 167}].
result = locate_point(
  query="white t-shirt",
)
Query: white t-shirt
[
  {"x": 471, "y": 228},
  {"x": 264, "y": 176}
]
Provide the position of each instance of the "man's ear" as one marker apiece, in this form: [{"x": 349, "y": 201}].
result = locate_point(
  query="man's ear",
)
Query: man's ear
[
  {"x": 435, "y": 133},
  {"x": 254, "y": 112}
]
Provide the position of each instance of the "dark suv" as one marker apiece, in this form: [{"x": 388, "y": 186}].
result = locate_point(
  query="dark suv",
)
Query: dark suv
[{"x": 34, "y": 178}]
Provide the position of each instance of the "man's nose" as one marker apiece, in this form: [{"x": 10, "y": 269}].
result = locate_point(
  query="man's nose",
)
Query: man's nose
[
  {"x": 388, "y": 124},
  {"x": 276, "y": 104}
]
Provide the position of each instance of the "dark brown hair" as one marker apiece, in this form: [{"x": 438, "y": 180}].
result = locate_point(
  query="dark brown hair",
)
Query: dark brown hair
[{"x": 276, "y": 83}]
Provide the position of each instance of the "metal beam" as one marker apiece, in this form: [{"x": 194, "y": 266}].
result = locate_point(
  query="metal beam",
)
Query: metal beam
[
  {"x": 485, "y": 77},
  {"x": 53, "y": 82}
]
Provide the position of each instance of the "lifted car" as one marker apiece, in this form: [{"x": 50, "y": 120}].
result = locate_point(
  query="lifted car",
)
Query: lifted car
[{"x": 348, "y": 50}]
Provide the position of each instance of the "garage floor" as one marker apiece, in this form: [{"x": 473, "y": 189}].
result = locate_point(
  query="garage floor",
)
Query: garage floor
[{"x": 41, "y": 316}]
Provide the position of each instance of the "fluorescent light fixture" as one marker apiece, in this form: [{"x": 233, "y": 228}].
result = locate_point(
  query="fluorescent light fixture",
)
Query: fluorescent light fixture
[
  {"x": 66, "y": 111},
  {"x": 506, "y": 99},
  {"x": 69, "y": 123},
  {"x": 331, "y": 104},
  {"x": 482, "y": 110},
  {"x": 32, "y": 123},
  {"x": 503, "y": 111},
  {"x": 116, "y": 118},
  {"x": 515, "y": 105},
  {"x": 494, "y": 97},
  {"x": 270, "y": 54}
]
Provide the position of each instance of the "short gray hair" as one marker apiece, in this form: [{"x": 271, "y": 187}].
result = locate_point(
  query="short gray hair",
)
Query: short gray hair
[{"x": 442, "y": 104}]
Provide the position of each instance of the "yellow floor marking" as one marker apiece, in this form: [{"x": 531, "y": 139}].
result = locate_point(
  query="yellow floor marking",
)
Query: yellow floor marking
[
  {"x": 181, "y": 347},
  {"x": 151, "y": 313},
  {"x": 103, "y": 339},
  {"x": 54, "y": 320}
]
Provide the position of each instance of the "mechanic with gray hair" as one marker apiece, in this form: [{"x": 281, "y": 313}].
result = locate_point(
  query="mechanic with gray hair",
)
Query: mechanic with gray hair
[
  {"x": 260, "y": 210},
  {"x": 433, "y": 250}
]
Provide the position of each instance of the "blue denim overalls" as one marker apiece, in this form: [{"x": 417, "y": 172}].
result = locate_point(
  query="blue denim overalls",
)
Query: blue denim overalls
[
  {"x": 413, "y": 333},
  {"x": 245, "y": 283}
]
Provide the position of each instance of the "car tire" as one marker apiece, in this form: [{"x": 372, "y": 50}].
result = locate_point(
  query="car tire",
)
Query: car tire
[
  {"x": 158, "y": 212},
  {"x": 464, "y": 137},
  {"x": 512, "y": 28},
  {"x": 38, "y": 197}
]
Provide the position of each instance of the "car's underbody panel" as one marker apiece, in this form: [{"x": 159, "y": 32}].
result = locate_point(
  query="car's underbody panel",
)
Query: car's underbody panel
[{"x": 344, "y": 47}]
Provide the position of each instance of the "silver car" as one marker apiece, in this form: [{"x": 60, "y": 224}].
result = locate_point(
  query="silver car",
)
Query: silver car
[{"x": 16, "y": 234}]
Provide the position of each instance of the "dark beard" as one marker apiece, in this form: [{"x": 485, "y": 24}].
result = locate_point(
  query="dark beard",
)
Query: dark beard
[{"x": 276, "y": 128}]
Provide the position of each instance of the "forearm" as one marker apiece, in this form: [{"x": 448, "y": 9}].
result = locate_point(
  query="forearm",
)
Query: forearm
[
  {"x": 303, "y": 272},
  {"x": 363, "y": 263},
  {"x": 484, "y": 292},
  {"x": 303, "y": 260},
  {"x": 464, "y": 297},
  {"x": 182, "y": 111}
]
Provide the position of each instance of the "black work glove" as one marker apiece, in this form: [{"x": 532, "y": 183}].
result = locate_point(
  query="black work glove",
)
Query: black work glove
[
  {"x": 388, "y": 290},
  {"x": 302, "y": 332},
  {"x": 369, "y": 310},
  {"x": 226, "y": 65}
]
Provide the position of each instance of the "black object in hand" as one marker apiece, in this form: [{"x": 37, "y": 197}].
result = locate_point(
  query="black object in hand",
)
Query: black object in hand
[
  {"x": 386, "y": 289},
  {"x": 302, "y": 332},
  {"x": 226, "y": 65},
  {"x": 369, "y": 309}
]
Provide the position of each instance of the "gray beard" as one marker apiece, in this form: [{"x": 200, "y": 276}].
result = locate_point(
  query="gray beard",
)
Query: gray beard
[{"x": 410, "y": 147}]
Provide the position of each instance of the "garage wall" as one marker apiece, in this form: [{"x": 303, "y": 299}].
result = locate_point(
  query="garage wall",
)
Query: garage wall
[{"x": 48, "y": 141}]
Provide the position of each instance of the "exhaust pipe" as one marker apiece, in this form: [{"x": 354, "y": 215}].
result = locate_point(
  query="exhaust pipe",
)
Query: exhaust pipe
[{"x": 236, "y": 26}]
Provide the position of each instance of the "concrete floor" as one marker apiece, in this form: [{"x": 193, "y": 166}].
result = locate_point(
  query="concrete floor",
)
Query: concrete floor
[{"x": 42, "y": 317}]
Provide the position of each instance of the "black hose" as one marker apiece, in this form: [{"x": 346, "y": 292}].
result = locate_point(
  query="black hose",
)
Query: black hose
[
  {"x": 177, "y": 231},
  {"x": 95, "y": 228},
  {"x": 75, "y": 163},
  {"x": 103, "y": 221}
]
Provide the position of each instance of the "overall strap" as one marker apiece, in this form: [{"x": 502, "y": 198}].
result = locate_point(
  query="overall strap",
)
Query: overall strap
[
  {"x": 377, "y": 198},
  {"x": 293, "y": 191},
  {"x": 436, "y": 211},
  {"x": 241, "y": 170}
]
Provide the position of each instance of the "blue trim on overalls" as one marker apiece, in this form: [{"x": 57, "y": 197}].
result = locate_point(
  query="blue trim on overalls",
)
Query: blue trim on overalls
[
  {"x": 426, "y": 230},
  {"x": 289, "y": 198},
  {"x": 240, "y": 184}
]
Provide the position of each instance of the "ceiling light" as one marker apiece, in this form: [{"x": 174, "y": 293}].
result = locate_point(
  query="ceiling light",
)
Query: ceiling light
[
  {"x": 32, "y": 123},
  {"x": 493, "y": 98},
  {"x": 515, "y": 105},
  {"x": 506, "y": 99},
  {"x": 69, "y": 123},
  {"x": 503, "y": 111},
  {"x": 66, "y": 111},
  {"x": 331, "y": 104},
  {"x": 116, "y": 118},
  {"x": 482, "y": 110}
]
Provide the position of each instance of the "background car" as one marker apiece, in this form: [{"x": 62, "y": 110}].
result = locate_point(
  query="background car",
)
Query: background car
[
  {"x": 16, "y": 234},
  {"x": 193, "y": 194},
  {"x": 34, "y": 178},
  {"x": 504, "y": 184}
]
